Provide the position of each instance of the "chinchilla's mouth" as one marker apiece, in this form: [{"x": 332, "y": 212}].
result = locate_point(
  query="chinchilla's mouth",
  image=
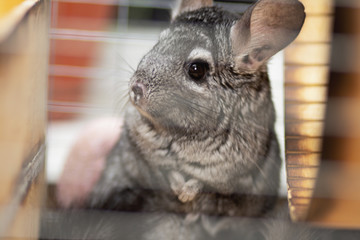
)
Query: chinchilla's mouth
[{"x": 139, "y": 102}]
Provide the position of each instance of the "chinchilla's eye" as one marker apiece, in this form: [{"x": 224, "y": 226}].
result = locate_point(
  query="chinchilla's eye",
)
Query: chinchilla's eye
[{"x": 197, "y": 70}]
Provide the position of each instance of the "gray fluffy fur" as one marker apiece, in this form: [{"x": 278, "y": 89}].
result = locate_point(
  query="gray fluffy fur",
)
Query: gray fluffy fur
[
  {"x": 219, "y": 132},
  {"x": 199, "y": 148}
]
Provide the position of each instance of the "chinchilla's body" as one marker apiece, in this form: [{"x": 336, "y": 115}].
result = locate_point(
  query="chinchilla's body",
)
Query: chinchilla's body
[{"x": 199, "y": 136}]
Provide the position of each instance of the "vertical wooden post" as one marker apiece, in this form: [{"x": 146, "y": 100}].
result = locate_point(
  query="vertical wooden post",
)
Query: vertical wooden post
[
  {"x": 23, "y": 117},
  {"x": 306, "y": 78}
]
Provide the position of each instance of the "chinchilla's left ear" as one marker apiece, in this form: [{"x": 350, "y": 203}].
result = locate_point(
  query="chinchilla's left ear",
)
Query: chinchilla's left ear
[
  {"x": 190, "y": 5},
  {"x": 264, "y": 29}
]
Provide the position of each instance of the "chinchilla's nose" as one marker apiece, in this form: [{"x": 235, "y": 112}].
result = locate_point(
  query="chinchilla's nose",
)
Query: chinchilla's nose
[{"x": 137, "y": 92}]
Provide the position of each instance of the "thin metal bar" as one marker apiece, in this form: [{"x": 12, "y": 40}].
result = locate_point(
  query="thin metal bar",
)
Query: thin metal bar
[
  {"x": 123, "y": 16},
  {"x": 161, "y": 4},
  {"x": 97, "y": 36}
]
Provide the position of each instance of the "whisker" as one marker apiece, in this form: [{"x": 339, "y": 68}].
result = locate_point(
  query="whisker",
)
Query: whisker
[
  {"x": 258, "y": 167},
  {"x": 129, "y": 71},
  {"x": 190, "y": 105},
  {"x": 121, "y": 80},
  {"x": 122, "y": 97},
  {"x": 194, "y": 103},
  {"x": 196, "y": 107},
  {"x": 202, "y": 110},
  {"x": 126, "y": 62}
]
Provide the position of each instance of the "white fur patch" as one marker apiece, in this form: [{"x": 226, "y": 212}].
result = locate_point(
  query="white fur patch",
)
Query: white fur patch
[{"x": 202, "y": 54}]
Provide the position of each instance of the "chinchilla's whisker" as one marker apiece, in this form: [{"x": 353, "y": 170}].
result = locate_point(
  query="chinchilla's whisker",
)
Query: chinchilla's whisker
[
  {"x": 123, "y": 102},
  {"x": 121, "y": 90},
  {"x": 231, "y": 118},
  {"x": 121, "y": 87},
  {"x": 194, "y": 107},
  {"x": 258, "y": 167},
  {"x": 122, "y": 81},
  {"x": 197, "y": 107},
  {"x": 126, "y": 62},
  {"x": 121, "y": 96},
  {"x": 129, "y": 71},
  {"x": 202, "y": 110},
  {"x": 196, "y": 104}
]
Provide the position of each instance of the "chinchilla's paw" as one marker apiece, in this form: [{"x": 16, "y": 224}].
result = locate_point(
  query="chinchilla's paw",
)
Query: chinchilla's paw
[
  {"x": 190, "y": 190},
  {"x": 177, "y": 181},
  {"x": 186, "y": 191}
]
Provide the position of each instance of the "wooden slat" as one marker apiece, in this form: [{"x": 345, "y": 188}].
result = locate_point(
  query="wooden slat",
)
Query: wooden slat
[
  {"x": 300, "y": 201},
  {"x": 304, "y": 172},
  {"x": 306, "y": 79},
  {"x": 306, "y": 94},
  {"x": 302, "y": 111},
  {"x": 307, "y": 54},
  {"x": 23, "y": 117},
  {"x": 301, "y": 194},
  {"x": 303, "y": 160},
  {"x": 315, "y": 7},
  {"x": 306, "y": 75},
  {"x": 303, "y": 144},
  {"x": 304, "y": 129},
  {"x": 316, "y": 29},
  {"x": 301, "y": 183}
]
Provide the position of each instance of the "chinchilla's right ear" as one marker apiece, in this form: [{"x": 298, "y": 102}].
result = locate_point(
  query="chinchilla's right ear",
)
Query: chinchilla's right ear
[
  {"x": 190, "y": 5},
  {"x": 264, "y": 29}
]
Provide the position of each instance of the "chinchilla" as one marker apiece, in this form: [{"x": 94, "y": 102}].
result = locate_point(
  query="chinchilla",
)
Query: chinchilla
[{"x": 199, "y": 137}]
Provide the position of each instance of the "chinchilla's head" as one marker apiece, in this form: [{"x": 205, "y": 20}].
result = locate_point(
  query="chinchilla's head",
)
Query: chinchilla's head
[{"x": 208, "y": 69}]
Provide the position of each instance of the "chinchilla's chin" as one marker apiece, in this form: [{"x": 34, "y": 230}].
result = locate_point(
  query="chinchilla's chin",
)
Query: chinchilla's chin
[
  {"x": 150, "y": 117},
  {"x": 161, "y": 121}
]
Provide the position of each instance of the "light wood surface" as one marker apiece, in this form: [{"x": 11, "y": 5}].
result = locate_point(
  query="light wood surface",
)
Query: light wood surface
[
  {"x": 23, "y": 117},
  {"x": 306, "y": 79}
]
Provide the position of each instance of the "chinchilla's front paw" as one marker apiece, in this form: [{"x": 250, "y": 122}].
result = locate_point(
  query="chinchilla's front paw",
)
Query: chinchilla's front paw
[
  {"x": 190, "y": 190},
  {"x": 186, "y": 191}
]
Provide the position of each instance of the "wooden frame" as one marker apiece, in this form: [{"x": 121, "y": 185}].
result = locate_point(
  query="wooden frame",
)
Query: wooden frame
[{"x": 23, "y": 117}]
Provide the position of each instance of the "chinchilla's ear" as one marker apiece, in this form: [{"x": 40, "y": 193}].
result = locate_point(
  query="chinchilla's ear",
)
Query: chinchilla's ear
[
  {"x": 264, "y": 29},
  {"x": 190, "y": 5}
]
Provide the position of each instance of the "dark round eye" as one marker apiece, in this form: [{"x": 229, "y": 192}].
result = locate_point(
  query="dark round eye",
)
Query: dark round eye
[{"x": 198, "y": 70}]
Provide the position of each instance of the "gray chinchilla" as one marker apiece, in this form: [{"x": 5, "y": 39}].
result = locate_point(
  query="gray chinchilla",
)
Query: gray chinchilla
[{"x": 199, "y": 137}]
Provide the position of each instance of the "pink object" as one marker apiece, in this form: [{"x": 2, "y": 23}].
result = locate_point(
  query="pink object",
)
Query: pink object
[{"x": 86, "y": 161}]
